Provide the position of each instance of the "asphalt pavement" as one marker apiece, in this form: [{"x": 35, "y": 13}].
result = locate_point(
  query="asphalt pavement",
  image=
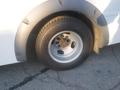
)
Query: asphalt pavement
[{"x": 99, "y": 72}]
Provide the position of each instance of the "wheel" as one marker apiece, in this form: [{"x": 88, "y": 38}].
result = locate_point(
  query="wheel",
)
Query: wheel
[{"x": 64, "y": 42}]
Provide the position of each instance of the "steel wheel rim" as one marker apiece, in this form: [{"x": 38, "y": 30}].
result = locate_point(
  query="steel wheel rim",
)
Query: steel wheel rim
[{"x": 65, "y": 47}]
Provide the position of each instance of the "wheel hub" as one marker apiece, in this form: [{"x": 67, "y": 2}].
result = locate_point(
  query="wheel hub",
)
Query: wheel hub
[{"x": 62, "y": 41}]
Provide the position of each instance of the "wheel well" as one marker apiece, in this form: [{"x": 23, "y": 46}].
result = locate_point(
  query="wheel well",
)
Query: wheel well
[{"x": 30, "y": 50}]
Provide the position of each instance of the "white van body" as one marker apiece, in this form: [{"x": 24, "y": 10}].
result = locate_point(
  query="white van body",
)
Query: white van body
[{"x": 14, "y": 11}]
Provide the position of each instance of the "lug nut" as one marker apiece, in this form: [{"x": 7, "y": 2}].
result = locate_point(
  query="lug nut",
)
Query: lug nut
[{"x": 68, "y": 40}]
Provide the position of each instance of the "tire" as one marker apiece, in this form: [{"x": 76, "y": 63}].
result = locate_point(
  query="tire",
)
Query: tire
[{"x": 53, "y": 48}]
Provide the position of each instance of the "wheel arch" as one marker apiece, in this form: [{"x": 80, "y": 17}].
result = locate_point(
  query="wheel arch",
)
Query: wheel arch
[{"x": 28, "y": 29}]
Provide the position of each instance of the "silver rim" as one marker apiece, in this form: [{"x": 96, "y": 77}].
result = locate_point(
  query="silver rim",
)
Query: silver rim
[{"x": 65, "y": 47}]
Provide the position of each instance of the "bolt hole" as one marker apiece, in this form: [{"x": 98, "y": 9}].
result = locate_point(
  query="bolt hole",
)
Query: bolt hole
[
  {"x": 53, "y": 41},
  {"x": 73, "y": 45},
  {"x": 60, "y": 52},
  {"x": 67, "y": 33}
]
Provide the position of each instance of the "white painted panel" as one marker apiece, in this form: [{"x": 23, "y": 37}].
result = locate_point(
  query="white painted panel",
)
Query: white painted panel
[
  {"x": 12, "y": 13},
  {"x": 111, "y": 11}
]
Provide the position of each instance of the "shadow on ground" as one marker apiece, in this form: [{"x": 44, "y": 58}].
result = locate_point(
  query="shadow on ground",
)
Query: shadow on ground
[{"x": 98, "y": 72}]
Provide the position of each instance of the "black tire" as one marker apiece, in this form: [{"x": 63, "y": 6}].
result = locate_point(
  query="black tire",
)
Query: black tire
[{"x": 57, "y": 25}]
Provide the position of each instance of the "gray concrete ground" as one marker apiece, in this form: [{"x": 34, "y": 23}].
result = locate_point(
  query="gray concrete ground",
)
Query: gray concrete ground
[{"x": 98, "y": 72}]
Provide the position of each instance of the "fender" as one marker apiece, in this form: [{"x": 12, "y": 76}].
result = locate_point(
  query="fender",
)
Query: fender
[{"x": 28, "y": 29}]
